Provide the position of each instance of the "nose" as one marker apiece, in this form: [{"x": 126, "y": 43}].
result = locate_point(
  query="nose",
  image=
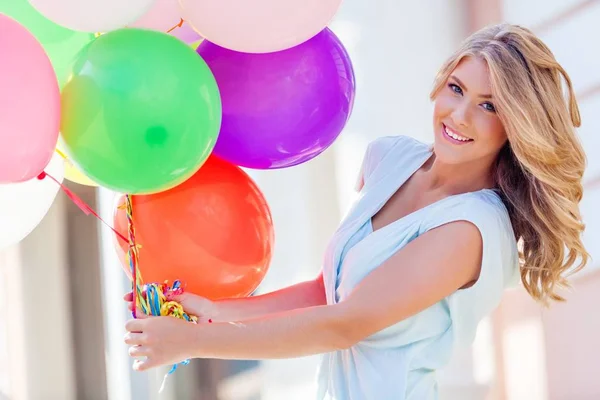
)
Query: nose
[{"x": 460, "y": 114}]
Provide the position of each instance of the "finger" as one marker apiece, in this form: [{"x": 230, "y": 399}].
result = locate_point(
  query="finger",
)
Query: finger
[
  {"x": 129, "y": 296},
  {"x": 139, "y": 351},
  {"x": 134, "y": 339},
  {"x": 140, "y": 314},
  {"x": 135, "y": 325},
  {"x": 144, "y": 365},
  {"x": 175, "y": 296}
]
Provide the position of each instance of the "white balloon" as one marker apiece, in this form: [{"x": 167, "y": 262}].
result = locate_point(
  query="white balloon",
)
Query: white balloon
[
  {"x": 92, "y": 15},
  {"x": 24, "y": 205}
]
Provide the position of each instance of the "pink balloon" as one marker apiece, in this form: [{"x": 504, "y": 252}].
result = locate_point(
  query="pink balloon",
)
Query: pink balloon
[
  {"x": 258, "y": 26},
  {"x": 29, "y": 104},
  {"x": 165, "y": 16}
]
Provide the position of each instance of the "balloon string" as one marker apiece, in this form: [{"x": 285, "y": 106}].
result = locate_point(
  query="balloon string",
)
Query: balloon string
[
  {"x": 63, "y": 155},
  {"x": 179, "y": 25},
  {"x": 155, "y": 302},
  {"x": 82, "y": 205},
  {"x": 153, "y": 298},
  {"x": 159, "y": 291},
  {"x": 163, "y": 306},
  {"x": 133, "y": 257}
]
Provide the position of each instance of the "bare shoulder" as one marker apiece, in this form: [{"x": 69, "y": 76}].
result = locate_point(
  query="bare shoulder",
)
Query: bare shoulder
[{"x": 455, "y": 245}]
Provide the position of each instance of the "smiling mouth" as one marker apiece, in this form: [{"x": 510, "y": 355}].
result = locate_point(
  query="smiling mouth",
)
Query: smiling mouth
[{"x": 449, "y": 133}]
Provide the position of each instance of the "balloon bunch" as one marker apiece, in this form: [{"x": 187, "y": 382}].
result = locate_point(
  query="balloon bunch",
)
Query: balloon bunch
[{"x": 165, "y": 101}]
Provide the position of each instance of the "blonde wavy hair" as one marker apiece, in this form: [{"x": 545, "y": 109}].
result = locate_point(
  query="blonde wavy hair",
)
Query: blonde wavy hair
[{"x": 539, "y": 170}]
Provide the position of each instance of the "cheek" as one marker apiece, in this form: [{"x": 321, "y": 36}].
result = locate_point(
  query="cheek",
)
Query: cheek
[
  {"x": 491, "y": 130},
  {"x": 441, "y": 107}
]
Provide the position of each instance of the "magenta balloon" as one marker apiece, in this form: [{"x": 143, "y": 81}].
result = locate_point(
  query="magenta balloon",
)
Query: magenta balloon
[{"x": 284, "y": 108}]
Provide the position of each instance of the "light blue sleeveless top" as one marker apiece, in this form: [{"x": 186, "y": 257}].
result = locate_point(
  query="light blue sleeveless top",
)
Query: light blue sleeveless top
[{"x": 400, "y": 361}]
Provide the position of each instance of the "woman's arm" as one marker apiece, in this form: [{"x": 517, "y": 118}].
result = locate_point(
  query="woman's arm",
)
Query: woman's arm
[
  {"x": 410, "y": 281},
  {"x": 301, "y": 295}
]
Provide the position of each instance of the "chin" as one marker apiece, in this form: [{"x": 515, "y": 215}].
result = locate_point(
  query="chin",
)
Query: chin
[{"x": 447, "y": 154}]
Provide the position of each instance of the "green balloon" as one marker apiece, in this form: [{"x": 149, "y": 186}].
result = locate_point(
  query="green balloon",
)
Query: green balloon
[
  {"x": 61, "y": 44},
  {"x": 141, "y": 111}
]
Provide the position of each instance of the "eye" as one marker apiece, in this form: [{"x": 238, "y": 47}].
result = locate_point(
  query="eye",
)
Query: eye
[
  {"x": 455, "y": 88},
  {"x": 489, "y": 107}
]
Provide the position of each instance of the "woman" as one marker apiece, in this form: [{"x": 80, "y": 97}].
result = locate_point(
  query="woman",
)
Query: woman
[{"x": 436, "y": 236}]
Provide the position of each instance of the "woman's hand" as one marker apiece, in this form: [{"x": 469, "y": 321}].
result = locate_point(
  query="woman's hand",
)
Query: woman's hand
[
  {"x": 161, "y": 340},
  {"x": 201, "y": 307}
]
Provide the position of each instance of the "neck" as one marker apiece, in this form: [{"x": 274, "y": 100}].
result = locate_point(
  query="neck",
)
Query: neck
[{"x": 452, "y": 179}]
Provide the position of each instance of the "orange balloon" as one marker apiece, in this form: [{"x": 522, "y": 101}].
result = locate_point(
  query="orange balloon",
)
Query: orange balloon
[{"x": 213, "y": 232}]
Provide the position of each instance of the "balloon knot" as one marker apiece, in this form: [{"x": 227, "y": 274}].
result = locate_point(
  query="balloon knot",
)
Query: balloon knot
[
  {"x": 42, "y": 175},
  {"x": 179, "y": 25}
]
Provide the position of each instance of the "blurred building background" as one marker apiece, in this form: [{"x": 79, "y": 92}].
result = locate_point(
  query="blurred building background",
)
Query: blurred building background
[{"x": 61, "y": 311}]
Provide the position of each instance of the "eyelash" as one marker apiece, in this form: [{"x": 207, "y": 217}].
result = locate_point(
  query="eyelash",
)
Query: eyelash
[{"x": 453, "y": 86}]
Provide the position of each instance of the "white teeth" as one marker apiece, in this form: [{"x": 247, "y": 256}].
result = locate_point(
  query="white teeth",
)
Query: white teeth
[{"x": 453, "y": 135}]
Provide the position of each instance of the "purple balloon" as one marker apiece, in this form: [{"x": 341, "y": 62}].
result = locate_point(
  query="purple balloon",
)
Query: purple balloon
[{"x": 284, "y": 108}]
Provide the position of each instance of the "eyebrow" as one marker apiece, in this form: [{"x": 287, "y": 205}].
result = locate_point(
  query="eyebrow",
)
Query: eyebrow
[{"x": 485, "y": 96}]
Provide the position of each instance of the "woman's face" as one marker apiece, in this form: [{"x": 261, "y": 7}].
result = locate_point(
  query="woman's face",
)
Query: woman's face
[{"x": 466, "y": 125}]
